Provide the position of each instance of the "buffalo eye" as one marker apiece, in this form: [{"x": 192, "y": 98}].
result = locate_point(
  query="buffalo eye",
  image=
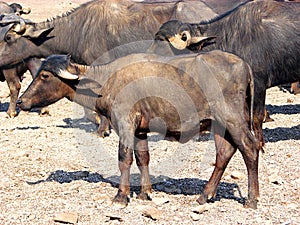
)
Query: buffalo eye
[
  {"x": 44, "y": 76},
  {"x": 184, "y": 37},
  {"x": 9, "y": 38}
]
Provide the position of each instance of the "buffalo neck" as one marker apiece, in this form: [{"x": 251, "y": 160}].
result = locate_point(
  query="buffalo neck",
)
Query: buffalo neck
[{"x": 62, "y": 39}]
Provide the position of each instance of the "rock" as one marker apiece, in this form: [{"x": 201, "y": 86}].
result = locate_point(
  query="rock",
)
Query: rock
[
  {"x": 237, "y": 175},
  {"x": 112, "y": 216},
  {"x": 101, "y": 197},
  {"x": 199, "y": 209},
  {"x": 66, "y": 218},
  {"x": 160, "y": 201},
  {"x": 274, "y": 177},
  {"x": 152, "y": 212},
  {"x": 196, "y": 216}
]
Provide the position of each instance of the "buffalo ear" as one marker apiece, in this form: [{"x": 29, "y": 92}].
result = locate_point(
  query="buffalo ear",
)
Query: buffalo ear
[
  {"x": 31, "y": 32},
  {"x": 4, "y": 30},
  {"x": 87, "y": 83}
]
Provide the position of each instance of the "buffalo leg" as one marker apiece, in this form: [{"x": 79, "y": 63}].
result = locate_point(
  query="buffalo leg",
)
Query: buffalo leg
[
  {"x": 103, "y": 129},
  {"x": 295, "y": 88},
  {"x": 14, "y": 86},
  {"x": 249, "y": 149},
  {"x": 142, "y": 157},
  {"x": 225, "y": 151},
  {"x": 251, "y": 160},
  {"x": 125, "y": 161},
  {"x": 258, "y": 115}
]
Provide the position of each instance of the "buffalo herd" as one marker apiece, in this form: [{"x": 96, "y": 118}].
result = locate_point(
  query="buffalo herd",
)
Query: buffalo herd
[{"x": 195, "y": 64}]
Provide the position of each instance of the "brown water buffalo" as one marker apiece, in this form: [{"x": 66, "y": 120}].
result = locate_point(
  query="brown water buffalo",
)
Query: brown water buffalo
[
  {"x": 13, "y": 75},
  {"x": 263, "y": 33},
  {"x": 133, "y": 91}
]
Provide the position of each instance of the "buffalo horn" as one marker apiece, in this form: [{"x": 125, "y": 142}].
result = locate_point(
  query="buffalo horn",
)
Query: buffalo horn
[
  {"x": 26, "y": 11},
  {"x": 180, "y": 44},
  {"x": 67, "y": 75},
  {"x": 20, "y": 27},
  {"x": 177, "y": 41}
]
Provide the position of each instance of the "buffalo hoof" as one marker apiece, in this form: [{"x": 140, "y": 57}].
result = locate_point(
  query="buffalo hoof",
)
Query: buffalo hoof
[
  {"x": 296, "y": 92},
  {"x": 103, "y": 133},
  {"x": 267, "y": 117},
  {"x": 202, "y": 199},
  {"x": 144, "y": 196},
  {"x": 121, "y": 199},
  {"x": 251, "y": 204},
  {"x": 44, "y": 112},
  {"x": 12, "y": 113}
]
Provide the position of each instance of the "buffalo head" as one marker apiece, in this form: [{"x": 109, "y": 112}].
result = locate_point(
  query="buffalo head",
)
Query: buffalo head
[
  {"x": 57, "y": 78},
  {"x": 19, "y": 39},
  {"x": 181, "y": 36}
]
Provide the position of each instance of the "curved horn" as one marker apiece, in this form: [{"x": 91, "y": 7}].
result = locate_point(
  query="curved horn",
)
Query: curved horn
[
  {"x": 178, "y": 41},
  {"x": 20, "y": 27},
  {"x": 7, "y": 18},
  {"x": 67, "y": 75},
  {"x": 26, "y": 11}
]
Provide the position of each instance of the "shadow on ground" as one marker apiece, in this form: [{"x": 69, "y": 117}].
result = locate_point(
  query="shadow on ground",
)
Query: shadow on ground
[
  {"x": 283, "y": 109},
  {"x": 185, "y": 186}
]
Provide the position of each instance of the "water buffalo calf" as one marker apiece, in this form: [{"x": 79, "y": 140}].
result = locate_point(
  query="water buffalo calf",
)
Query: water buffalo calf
[
  {"x": 145, "y": 93},
  {"x": 13, "y": 74}
]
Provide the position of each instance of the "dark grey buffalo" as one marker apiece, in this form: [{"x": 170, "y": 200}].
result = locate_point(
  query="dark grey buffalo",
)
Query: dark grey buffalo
[
  {"x": 144, "y": 93},
  {"x": 263, "y": 33},
  {"x": 13, "y": 74}
]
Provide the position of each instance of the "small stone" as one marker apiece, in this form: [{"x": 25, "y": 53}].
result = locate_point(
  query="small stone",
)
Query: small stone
[
  {"x": 237, "y": 175},
  {"x": 113, "y": 217},
  {"x": 160, "y": 201},
  {"x": 275, "y": 179},
  {"x": 196, "y": 216},
  {"x": 152, "y": 212},
  {"x": 66, "y": 218},
  {"x": 201, "y": 208},
  {"x": 101, "y": 197},
  {"x": 31, "y": 217}
]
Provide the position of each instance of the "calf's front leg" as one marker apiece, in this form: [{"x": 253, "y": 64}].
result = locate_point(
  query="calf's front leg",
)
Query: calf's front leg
[{"x": 14, "y": 86}]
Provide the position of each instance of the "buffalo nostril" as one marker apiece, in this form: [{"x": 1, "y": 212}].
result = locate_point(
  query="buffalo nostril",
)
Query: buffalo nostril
[{"x": 19, "y": 101}]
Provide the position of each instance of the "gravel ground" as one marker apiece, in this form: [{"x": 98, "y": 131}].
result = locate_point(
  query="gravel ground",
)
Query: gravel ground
[{"x": 55, "y": 168}]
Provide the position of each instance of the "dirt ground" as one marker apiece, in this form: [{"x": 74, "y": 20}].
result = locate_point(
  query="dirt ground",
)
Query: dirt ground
[{"x": 53, "y": 166}]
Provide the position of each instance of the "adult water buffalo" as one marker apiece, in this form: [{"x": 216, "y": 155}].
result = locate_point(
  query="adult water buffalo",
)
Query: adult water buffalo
[
  {"x": 263, "y": 33},
  {"x": 92, "y": 29},
  {"x": 87, "y": 38},
  {"x": 13, "y": 75},
  {"x": 144, "y": 93}
]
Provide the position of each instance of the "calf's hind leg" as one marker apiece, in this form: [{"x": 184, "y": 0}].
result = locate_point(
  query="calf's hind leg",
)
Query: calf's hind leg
[
  {"x": 142, "y": 157},
  {"x": 249, "y": 148},
  {"x": 125, "y": 161},
  {"x": 225, "y": 151}
]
